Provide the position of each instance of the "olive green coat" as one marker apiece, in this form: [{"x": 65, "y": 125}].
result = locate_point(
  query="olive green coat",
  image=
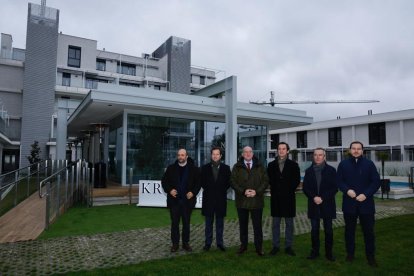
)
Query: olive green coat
[{"x": 242, "y": 179}]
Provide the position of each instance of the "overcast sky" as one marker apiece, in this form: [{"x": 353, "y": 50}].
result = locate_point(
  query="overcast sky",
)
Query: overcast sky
[{"x": 302, "y": 50}]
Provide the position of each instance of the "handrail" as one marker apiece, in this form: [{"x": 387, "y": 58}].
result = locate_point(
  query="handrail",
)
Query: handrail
[
  {"x": 51, "y": 176},
  {"x": 16, "y": 170}
]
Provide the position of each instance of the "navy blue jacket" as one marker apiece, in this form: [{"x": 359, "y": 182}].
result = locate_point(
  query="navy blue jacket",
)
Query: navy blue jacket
[
  {"x": 171, "y": 180},
  {"x": 363, "y": 178},
  {"x": 215, "y": 191},
  {"x": 327, "y": 191}
]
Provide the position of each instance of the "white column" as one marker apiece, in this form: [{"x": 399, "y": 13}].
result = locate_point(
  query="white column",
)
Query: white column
[
  {"x": 61, "y": 132},
  {"x": 231, "y": 120}
]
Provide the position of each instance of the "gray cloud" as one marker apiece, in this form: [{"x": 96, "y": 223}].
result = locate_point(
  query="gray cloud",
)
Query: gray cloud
[{"x": 303, "y": 50}]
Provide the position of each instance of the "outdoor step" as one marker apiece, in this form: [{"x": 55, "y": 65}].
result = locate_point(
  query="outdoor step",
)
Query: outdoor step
[{"x": 102, "y": 201}]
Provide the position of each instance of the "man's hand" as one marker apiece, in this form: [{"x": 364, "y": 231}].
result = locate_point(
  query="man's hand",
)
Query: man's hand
[
  {"x": 250, "y": 193},
  {"x": 351, "y": 193},
  {"x": 317, "y": 200},
  {"x": 190, "y": 195},
  {"x": 173, "y": 193},
  {"x": 361, "y": 197}
]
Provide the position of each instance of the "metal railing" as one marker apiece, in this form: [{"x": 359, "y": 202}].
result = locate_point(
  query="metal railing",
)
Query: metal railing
[
  {"x": 69, "y": 185},
  {"x": 17, "y": 185}
]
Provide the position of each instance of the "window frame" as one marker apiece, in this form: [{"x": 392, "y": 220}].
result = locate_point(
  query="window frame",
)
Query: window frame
[{"x": 74, "y": 56}]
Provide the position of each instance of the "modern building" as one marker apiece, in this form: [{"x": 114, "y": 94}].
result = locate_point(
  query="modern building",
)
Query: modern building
[
  {"x": 124, "y": 111},
  {"x": 390, "y": 133}
]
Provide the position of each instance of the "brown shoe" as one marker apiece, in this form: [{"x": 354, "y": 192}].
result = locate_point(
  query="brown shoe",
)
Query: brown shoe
[
  {"x": 174, "y": 248},
  {"x": 242, "y": 249},
  {"x": 187, "y": 247}
]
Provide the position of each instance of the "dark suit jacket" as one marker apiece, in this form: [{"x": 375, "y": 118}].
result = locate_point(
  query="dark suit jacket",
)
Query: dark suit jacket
[
  {"x": 171, "y": 180},
  {"x": 363, "y": 178},
  {"x": 282, "y": 187},
  {"x": 215, "y": 192},
  {"x": 327, "y": 191}
]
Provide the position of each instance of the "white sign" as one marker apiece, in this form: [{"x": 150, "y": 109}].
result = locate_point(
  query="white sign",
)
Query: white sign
[{"x": 151, "y": 194}]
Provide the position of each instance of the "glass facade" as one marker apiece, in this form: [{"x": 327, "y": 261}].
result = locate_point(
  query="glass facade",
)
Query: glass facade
[{"x": 153, "y": 141}]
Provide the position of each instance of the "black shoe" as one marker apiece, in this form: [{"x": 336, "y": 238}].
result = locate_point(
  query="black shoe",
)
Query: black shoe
[
  {"x": 289, "y": 251},
  {"x": 242, "y": 249},
  {"x": 330, "y": 257},
  {"x": 206, "y": 247},
  {"x": 313, "y": 255},
  {"x": 174, "y": 248},
  {"x": 372, "y": 262},
  {"x": 260, "y": 252},
  {"x": 349, "y": 258},
  {"x": 187, "y": 247},
  {"x": 274, "y": 251},
  {"x": 221, "y": 247}
]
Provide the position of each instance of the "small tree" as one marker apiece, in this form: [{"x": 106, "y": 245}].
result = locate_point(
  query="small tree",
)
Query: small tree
[
  {"x": 294, "y": 153},
  {"x": 382, "y": 156},
  {"x": 34, "y": 156}
]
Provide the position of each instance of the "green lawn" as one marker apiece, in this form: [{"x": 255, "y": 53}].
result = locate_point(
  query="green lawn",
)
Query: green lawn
[
  {"x": 395, "y": 256},
  {"x": 81, "y": 220}
]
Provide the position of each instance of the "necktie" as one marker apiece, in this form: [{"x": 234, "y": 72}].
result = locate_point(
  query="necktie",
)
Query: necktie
[{"x": 248, "y": 166}]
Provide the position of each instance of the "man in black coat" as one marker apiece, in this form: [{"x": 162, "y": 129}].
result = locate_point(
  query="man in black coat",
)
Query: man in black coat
[
  {"x": 284, "y": 178},
  {"x": 215, "y": 180},
  {"x": 319, "y": 185},
  {"x": 181, "y": 182}
]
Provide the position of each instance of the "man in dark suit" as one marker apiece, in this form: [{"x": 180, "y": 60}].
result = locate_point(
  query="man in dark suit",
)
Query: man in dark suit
[
  {"x": 359, "y": 180},
  {"x": 181, "y": 182},
  {"x": 319, "y": 185},
  {"x": 215, "y": 180},
  {"x": 284, "y": 178}
]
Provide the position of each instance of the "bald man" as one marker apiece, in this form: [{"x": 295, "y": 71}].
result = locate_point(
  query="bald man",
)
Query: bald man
[{"x": 181, "y": 183}]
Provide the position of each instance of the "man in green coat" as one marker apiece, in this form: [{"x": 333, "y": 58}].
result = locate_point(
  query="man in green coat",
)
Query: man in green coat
[{"x": 249, "y": 181}]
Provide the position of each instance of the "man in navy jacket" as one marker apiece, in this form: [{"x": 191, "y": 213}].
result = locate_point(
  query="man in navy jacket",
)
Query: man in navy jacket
[
  {"x": 319, "y": 185},
  {"x": 359, "y": 180}
]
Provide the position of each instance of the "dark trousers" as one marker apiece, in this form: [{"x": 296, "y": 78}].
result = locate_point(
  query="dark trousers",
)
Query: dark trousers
[
  {"x": 289, "y": 229},
  {"x": 256, "y": 215},
  {"x": 327, "y": 226},
  {"x": 209, "y": 230},
  {"x": 180, "y": 212},
  {"x": 367, "y": 224}
]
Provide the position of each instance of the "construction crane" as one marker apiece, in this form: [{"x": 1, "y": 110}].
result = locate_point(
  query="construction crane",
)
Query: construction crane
[{"x": 272, "y": 101}]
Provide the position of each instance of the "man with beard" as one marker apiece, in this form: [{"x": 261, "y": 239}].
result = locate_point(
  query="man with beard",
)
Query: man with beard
[{"x": 181, "y": 182}]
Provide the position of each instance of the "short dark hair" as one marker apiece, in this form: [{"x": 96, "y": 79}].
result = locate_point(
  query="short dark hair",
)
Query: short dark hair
[
  {"x": 216, "y": 148},
  {"x": 283, "y": 143},
  {"x": 356, "y": 142}
]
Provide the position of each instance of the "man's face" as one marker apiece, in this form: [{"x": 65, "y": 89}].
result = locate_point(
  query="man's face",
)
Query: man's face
[
  {"x": 247, "y": 153},
  {"x": 318, "y": 157},
  {"x": 356, "y": 150},
  {"x": 282, "y": 151},
  {"x": 216, "y": 156},
  {"x": 182, "y": 156}
]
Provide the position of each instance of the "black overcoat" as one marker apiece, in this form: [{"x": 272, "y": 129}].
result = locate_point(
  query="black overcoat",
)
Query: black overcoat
[
  {"x": 327, "y": 191},
  {"x": 282, "y": 188},
  {"x": 215, "y": 191}
]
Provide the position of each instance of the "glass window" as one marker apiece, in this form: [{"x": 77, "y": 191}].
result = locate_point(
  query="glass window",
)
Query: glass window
[
  {"x": 335, "y": 137},
  {"x": 157, "y": 87},
  {"x": 92, "y": 83},
  {"x": 410, "y": 154},
  {"x": 331, "y": 156},
  {"x": 202, "y": 80},
  {"x": 65, "y": 79},
  {"x": 377, "y": 134},
  {"x": 396, "y": 155},
  {"x": 302, "y": 139},
  {"x": 74, "y": 56},
  {"x": 126, "y": 68},
  {"x": 274, "y": 141},
  {"x": 100, "y": 64},
  {"x": 129, "y": 84}
]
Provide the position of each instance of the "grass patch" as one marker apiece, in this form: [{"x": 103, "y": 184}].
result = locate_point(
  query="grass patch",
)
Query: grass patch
[
  {"x": 80, "y": 220},
  {"x": 394, "y": 255}
]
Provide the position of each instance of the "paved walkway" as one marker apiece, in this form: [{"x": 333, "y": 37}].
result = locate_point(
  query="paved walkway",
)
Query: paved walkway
[{"x": 61, "y": 255}]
